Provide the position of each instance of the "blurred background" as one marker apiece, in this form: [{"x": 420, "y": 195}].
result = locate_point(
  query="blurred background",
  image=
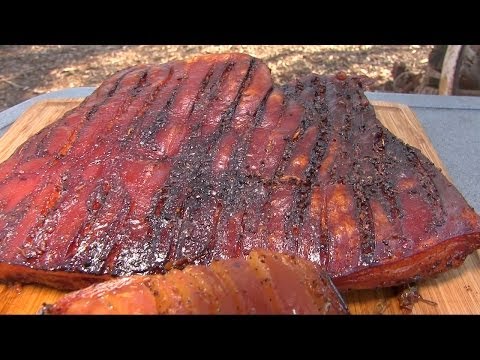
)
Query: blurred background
[{"x": 27, "y": 71}]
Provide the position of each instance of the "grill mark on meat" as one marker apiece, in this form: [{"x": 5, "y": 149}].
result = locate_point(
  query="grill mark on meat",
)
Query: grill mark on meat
[
  {"x": 35, "y": 244},
  {"x": 161, "y": 119},
  {"x": 190, "y": 249},
  {"x": 91, "y": 255},
  {"x": 236, "y": 170},
  {"x": 112, "y": 91},
  {"x": 178, "y": 128},
  {"x": 232, "y": 182},
  {"x": 89, "y": 115},
  {"x": 264, "y": 186},
  {"x": 330, "y": 169},
  {"x": 152, "y": 215},
  {"x": 186, "y": 167},
  {"x": 227, "y": 118},
  {"x": 391, "y": 176},
  {"x": 317, "y": 162},
  {"x": 110, "y": 94},
  {"x": 303, "y": 191},
  {"x": 52, "y": 174},
  {"x": 383, "y": 169},
  {"x": 141, "y": 118},
  {"x": 91, "y": 217},
  {"x": 276, "y": 151},
  {"x": 292, "y": 140},
  {"x": 126, "y": 101},
  {"x": 359, "y": 180},
  {"x": 306, "y": 98},
  {"x": 379, "y": 187},
  {"x": 94, "y": 203},
  {"x": 239, "y": 153},
  {"x": 364, "y": 215},
  {"x": 154, "y": 107},
  {"x": 385, "y": 146},
  {"x": 275, "y": 109},
  {"x": 100, "y": 252},
  {"x": 31, "y": 148},
  {"x": 432, "y": 193},
  {"x": 133, "y": 92},
  {"x": 126, "y": 265},
  {"x": 201, "y": 94},
  {"x": 138, "y": 88},
  {"x": 165, "y": 209},
  {"x": 214, "y": 203},
  {"x": 341, "y": 219},
  {"x": 395, "y": 161},
  {"x": 317, "y": 243},
  {"x": 98, "y": 207},
  {"x": 122, "y": 233},
  {"x": 304, "y": 185}
]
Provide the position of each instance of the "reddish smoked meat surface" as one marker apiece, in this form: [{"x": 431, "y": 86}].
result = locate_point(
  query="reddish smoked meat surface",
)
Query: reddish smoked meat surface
[
  {"x": 200, "y": 160},
  {"x": 263, "y": 283}
]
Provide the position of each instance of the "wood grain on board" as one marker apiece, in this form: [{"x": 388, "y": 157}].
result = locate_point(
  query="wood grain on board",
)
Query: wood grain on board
[{"x": 455, "y": 292}]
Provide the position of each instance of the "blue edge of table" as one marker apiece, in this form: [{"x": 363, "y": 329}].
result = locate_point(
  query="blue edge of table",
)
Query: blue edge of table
[{"x": 451, "y": 122}]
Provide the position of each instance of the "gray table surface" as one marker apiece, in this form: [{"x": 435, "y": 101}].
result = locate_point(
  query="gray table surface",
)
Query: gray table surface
[{"x": 451, "y": 122}]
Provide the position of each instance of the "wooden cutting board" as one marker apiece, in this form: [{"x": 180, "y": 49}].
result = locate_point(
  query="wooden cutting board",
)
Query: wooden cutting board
[{"x": 455, "y": 292}]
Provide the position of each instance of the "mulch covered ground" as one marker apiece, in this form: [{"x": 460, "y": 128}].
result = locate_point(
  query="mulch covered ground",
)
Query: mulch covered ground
[{"x": 27, "y": 71}]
